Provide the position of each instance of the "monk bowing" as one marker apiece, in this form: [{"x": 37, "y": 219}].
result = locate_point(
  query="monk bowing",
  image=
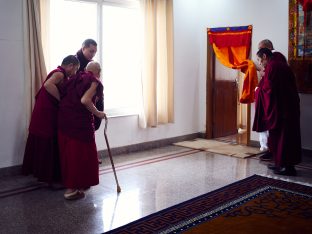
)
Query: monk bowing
[
  {"x": 78, "y": 152},
  {"x": 41, "y": 157},
  {"x": 278, "y": 111}
]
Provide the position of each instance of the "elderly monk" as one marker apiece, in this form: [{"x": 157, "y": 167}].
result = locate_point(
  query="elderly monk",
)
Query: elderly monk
[
  {"x": 263, "y": 136},
  {"x": 266, "y": 43},
  {"x": 78, "y": 153},
  {"x": 85, "y": 55},
  {"x": 41, "y": 157},
  {"x": 278, "y": 111}
]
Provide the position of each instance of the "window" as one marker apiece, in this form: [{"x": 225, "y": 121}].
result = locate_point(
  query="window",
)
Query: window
[
  {"x": 68, "y": 29},
  {"x": 115, "y": 25}
]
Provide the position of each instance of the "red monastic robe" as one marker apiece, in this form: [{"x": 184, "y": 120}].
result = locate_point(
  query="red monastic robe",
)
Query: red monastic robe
[
  {"x": 78, "y": 153},
  {"x": 41, "y": 157},
  {"x": 278, "y": 110}
]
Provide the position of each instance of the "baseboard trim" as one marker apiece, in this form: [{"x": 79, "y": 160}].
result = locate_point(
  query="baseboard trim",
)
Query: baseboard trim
[
  {"x": 17, "y": 170},
  {"x": 149, "y": 145},
  {"x": 307, "y": 152},
  {"x": 11, "y": 171}
]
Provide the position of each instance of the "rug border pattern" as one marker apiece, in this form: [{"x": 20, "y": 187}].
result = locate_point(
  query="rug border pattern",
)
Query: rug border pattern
[
  {"x": 186, "y": 224},
  {"x": 230, "y": 192}
]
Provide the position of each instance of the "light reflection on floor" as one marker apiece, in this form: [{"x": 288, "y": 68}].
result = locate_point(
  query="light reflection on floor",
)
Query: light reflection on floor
[
  {"x": 147, "y": 186},
  {"x": 115, "y": 205}
]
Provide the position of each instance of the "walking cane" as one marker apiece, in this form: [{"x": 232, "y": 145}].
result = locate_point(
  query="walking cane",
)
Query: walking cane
[{"x": 110, "y": 156}]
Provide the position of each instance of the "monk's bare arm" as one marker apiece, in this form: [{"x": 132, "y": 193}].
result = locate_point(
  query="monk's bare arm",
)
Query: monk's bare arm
[
  {"x": 50, "y": 84},
  {"x": 86, "y": 100}
]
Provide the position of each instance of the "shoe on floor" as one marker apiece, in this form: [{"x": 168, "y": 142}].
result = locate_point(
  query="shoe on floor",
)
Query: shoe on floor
[
  {"x": 288, "y": 171},
  {"x": 85, "y": 189},
  {"x": 74, "y": 195},
  {"x": 272, "y": 167},
  {"x": 266, "y": 157}
]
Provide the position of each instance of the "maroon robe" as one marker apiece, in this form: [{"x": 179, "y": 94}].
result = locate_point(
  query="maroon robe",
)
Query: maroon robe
[
  {"x": 99, "y": 104},
  {"x": 82, "y": 60},
  {"x": 78, "y": 154},
  {"x": 41, "y": 157},
  {"x": 278, "y": 110},
  {"x": 279, "y": 56}
]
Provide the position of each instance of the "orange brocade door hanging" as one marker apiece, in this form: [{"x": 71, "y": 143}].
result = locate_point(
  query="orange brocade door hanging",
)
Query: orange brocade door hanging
[{"x": 232, "y": 47}]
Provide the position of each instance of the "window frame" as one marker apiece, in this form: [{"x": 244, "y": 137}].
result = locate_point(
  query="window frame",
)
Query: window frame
[{"x": 112, "y": 112}]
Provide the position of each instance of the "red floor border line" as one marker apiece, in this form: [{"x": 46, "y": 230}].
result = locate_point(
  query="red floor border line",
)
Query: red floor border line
[
  {"x": 149, "y": 161},
  {"x": 17, "y": 191},
  {"x": 162, "y": 156},
  {"x": 29, "y": 188}
]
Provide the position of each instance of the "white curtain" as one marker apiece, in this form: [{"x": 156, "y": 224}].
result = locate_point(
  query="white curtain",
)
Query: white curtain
[
  {"x": 45, "y": 29},
  {"x": 157, "y": 72},
  {"x": 35, "y": 70}
]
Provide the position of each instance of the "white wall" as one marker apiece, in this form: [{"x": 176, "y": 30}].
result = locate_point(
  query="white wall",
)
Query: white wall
[
  {"x": 223, "y": 13},
  {"x": 12, "y": 121},
  {"x": 269, "y": 20},
  {"x": 191, "y": 19},
  {"x": 122, "y": 130}
]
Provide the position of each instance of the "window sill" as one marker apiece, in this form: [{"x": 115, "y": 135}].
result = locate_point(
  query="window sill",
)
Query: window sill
[{"x": 121, "y": 112}]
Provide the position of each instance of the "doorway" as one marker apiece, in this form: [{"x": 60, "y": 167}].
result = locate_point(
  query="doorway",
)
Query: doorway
[{"x": 226, "y": 118}]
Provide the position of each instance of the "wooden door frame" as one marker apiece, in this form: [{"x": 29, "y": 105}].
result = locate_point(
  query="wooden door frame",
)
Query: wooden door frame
[
  {"x": 210, "y": 78},
  {"x": 210, "y": 73}
]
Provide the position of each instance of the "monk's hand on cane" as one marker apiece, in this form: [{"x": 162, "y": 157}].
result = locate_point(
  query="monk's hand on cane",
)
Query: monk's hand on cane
[{"x": 101, "y": 115}]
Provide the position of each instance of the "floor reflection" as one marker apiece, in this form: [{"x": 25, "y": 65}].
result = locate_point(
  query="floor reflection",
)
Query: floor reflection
[
  {"x": 150, "y": 181},
  {"x": 121, "y": 208}
]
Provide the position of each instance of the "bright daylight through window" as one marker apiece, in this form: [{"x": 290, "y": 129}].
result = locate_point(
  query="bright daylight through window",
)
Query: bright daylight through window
[{"x": 115, "y": 25}]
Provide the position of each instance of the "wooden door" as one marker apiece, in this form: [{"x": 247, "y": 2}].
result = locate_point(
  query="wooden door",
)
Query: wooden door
[
  {"x": 224, "y": 108},
  {"x": 222, "y": 104}
]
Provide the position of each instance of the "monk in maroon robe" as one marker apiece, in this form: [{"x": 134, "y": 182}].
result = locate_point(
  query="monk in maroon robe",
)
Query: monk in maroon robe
[
  {"x": 278, "y": 110},
  {"x": 85, "y": 55},
  {"x": 263, "y": 136},
  {"x": 266, "y": 43},
  {"x": 78, "y": 153},
  {"x": 41, "y": 157}
]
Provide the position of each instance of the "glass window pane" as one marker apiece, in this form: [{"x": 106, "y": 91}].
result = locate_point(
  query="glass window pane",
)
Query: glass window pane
[
  {"x": 119, "y": 47},
  {"x": 121, "y": 56},
  {"x": 71, "y": 23}
]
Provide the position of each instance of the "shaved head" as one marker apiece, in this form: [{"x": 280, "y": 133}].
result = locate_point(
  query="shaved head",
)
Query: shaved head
[
  {"x": 94, "y": 67},
  {"x": 266, "y": 43}
]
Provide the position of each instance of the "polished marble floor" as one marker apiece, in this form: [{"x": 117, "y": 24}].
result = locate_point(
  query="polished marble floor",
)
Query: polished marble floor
[{"x": 150, "y": 181}]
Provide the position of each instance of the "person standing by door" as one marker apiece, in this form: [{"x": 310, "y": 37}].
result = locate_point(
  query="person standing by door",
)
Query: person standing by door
[
  {"x": 264, "y": 136},
  {"x": 278, "y": 111}
]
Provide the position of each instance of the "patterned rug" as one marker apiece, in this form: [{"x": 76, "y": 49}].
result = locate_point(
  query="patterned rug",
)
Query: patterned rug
[
  {"x": 220, "y": 147},
  {"x": 256, "y": 204}
]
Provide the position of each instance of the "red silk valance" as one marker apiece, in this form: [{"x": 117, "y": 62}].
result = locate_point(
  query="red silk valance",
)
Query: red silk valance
[
  {"x": 232, "y": 47},
  {"x": 230, "y": 36}
]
